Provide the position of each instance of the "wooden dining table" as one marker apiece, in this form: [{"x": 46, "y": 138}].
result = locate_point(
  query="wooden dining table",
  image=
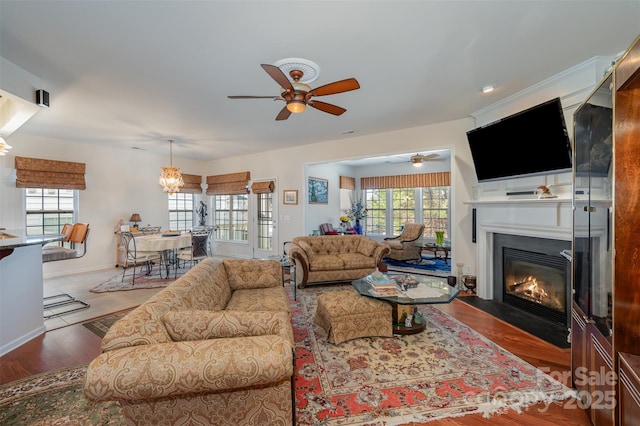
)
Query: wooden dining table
[{"x": 165, "y": 244}]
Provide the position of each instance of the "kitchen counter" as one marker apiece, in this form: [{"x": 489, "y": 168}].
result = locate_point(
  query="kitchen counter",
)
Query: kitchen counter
[
  {"x": 13, "y": 238},
  {"x": 21, "y": 289}
]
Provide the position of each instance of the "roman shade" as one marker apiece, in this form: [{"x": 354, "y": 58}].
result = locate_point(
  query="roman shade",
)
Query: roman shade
[
  {"x": 347, "y": 182},
  {"x": 264, "y": 187},
  {"x": 228, "y": 184},
  {"x": 192, "y": 184},
  {"x": 421, "y": 180},
  {"x": 40, "y": 173}
]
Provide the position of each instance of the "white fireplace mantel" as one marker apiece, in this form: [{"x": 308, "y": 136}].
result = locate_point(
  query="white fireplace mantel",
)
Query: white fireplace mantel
[{"x": 543, "y": 218}]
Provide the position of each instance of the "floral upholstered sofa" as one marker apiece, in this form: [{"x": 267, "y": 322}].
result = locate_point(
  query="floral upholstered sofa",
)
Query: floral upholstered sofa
[
  {"x": 329, "y": 258},
  {"x": 213, "y": 348}
]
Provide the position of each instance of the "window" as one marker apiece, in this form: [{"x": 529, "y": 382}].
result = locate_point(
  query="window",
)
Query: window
[
  {"x": 181, "y": 211},
  {"x": 265, "y": 221},
  {"x": 231, "y": 217},
  {"x": 429, "y": 205},
  {"x": 404, "y": 208},
  {"x": 376, "y": 202},
  {"x": 47, "y": 210},
  {"x": 435, "y": 210}
]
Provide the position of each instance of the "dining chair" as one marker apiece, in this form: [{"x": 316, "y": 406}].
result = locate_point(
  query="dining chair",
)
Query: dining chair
[
  {"x": 137, "y": 258},
  {"x": 197, "y": 251}
]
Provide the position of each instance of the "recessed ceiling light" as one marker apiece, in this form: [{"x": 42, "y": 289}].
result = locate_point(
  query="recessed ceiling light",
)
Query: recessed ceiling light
[{"x": 488, "y": 88}]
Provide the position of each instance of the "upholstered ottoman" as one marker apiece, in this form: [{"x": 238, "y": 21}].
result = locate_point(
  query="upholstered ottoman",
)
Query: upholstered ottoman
[{"x": 345, "y": 315}]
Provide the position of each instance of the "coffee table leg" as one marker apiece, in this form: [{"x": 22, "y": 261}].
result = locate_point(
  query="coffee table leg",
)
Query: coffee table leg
[{"x": 399, "y": 314}]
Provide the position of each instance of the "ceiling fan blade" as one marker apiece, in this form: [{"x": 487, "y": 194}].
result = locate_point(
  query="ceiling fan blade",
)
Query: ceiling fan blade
[
  {"x": 277, "y": 74},
  {"x": 275, "y": 98},
  {"x": 430, "y": 157},
  {"x": 283, "y": 114},
  {"x": 323, "y": 106},
  {"x": 335, "y": 87}
]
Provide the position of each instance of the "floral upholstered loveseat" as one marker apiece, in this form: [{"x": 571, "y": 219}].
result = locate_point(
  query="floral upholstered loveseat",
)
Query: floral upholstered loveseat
[
  {"x": 213, "y": 348},
  {"x": 329, "y": 258}
]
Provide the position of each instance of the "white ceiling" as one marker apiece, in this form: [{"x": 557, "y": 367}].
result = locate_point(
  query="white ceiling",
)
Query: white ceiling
[{"x": 132, "y": 73}]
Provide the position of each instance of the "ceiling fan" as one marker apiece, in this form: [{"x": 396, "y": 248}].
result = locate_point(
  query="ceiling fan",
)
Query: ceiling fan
[
  {"x": 418, "y": 159},
  {"x": 298, "y": 95}
]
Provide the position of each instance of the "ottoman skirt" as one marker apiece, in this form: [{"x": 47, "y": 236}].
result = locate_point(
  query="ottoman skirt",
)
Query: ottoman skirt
[{"x": 345, "y": 315}]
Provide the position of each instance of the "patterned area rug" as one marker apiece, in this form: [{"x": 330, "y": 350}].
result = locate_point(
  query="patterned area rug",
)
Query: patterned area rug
[
  {"x": 448, "y": 370},
  {"x": 100, "y": 326},
  {"x": 428, "y": 266},
  {"x": 55, "y": 398},
  {"x": 153, "y": 280}
]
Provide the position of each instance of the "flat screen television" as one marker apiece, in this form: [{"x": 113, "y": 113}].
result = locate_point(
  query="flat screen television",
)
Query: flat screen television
[{"x": 531, "y": 142}]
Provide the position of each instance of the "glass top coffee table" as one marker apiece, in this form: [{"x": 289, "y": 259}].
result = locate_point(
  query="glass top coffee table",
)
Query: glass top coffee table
[{"x": 404, "y": 292}]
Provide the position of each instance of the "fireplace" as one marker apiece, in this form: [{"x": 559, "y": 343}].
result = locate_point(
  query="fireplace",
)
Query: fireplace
[{"x": 531, "y": 275}]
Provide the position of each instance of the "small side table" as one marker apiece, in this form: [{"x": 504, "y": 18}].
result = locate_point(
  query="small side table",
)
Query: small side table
[{"x": 290, "y": 265}]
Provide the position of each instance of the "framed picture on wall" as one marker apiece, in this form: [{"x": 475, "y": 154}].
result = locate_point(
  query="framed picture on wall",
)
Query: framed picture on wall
[
  {"x": 318, "y": 190},
  {"x": 290, "y": 196}
]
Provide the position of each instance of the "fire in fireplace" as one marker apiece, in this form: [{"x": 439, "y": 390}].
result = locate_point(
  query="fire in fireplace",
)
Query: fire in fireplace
[{"x": 531, "y": 275}]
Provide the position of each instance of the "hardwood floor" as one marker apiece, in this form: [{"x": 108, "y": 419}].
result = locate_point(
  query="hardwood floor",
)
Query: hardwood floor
[{"x": 75, "y": 344}]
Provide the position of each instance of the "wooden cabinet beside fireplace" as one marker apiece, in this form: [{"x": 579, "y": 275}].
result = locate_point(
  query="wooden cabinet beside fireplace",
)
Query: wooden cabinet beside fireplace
[{"x": 605, "y": 317}]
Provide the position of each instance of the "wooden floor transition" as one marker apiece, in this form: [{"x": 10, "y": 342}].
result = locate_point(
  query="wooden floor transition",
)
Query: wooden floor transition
[{"x": 75, "y": 344}]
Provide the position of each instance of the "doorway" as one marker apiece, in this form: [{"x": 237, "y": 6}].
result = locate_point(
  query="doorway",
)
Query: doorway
[{"x": 265, "y": 233}]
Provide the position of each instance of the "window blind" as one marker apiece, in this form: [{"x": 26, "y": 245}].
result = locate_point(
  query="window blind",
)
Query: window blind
[
  {"x": 192, "y": 184},
  {"x": 228, "y": 184},
  {"x": 41, "y": 173},
  {"x": 264, "y": 187},
  {"x": 347, "y": 182},
  {"x": 422, "y": 180}
]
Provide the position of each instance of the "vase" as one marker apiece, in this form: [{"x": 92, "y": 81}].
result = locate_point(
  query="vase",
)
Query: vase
[
  {"x": 357, "y": 227},
  {"x": 439, "y": 238}
]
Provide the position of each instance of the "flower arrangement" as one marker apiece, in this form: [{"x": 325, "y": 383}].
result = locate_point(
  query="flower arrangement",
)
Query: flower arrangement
[
  {"x": 357, "y": 211},
  {"x": 344, "y": 219}
]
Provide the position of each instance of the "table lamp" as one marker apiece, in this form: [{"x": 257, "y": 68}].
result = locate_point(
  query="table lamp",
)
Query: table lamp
[{"x": 135, "y": 218}]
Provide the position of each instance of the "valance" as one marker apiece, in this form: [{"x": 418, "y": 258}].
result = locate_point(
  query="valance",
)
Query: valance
[
  {"x": 40, "y": 173},
  {"x": 421, "y": 180},
  {"x": 192, "y": 184},
  {"x": 347, "y": 182},
  {"x": 228, "y": 184},
  {"x": 264, "y": 187}
]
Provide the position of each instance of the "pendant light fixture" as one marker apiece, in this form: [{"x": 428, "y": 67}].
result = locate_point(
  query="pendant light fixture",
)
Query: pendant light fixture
[
  {"x": 170, "y": 177},
  {"x": 4, "y": 146}
]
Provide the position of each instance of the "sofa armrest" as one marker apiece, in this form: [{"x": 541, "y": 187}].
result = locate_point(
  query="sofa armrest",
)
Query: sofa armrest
[
  {"x": 380, "y": 252},
  {"x": 301, "y": 259},
  {"x": 182, "y": 368}
]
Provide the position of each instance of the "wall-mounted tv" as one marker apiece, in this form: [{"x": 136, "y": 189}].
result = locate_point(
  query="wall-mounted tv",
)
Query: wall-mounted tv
[{"x": 531, "y": 142}]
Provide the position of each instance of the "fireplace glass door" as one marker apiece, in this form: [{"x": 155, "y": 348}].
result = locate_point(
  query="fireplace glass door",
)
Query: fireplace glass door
[{"x": 536, "y": 282}]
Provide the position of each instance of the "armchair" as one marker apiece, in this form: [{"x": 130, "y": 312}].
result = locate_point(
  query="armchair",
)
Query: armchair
[
  {"x": 404, "y": 247},
  {"x": 327, "y": 229}
]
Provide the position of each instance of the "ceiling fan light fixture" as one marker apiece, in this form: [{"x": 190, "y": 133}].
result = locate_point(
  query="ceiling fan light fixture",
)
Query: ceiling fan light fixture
[
  {"x": 170, "y": 177},
  {"x": 416, "y": 160},
  {"x": 296, "y": 106}
]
